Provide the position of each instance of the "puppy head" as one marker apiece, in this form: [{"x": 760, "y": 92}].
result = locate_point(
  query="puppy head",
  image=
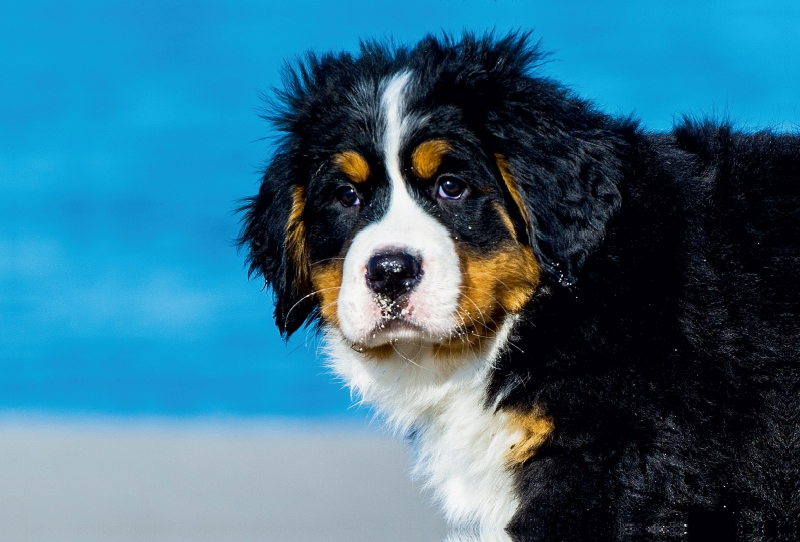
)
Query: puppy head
[{"x": 424, "y": 195}]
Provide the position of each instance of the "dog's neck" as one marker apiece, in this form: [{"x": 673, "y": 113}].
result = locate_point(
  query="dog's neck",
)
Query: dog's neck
[{"x": 460, "y": 444}]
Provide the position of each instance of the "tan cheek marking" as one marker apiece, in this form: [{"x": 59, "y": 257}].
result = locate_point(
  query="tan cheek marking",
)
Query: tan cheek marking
[
  {"x": 353, "y": 165},
  {"x": 502, "y": 282},
  {"x": 536, "y": 429},
  {"x": 326, "y": 278},
  {"x": 428, "y": 156},
  {"x": 493, "y": 286},
  {"x": 296, "y": 245},
  {"x": 511, "y": 185}
]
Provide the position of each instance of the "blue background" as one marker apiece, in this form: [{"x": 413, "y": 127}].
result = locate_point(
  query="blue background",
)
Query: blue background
[{"x": 129, "y": 130}]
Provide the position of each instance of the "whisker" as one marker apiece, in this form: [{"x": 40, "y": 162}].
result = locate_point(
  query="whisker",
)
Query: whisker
[
  {"x": 323, "y": 307},
  {"x": 503, "y": 283},
  {"x": 466, "y": 331},
  {"x": 315, "y": 292},
  {"x": 476, "y": 306},
  {"x": 409, "y": 359},
  {"x": 463, "y": 328},
  {"x": 296, "y": 348},
  {"x": 485, "y": 324},
  {"x": 499, "y": 304}
]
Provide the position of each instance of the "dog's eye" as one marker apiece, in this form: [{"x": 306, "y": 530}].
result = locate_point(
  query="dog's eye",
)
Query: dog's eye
[
  {"x": 451, "y": 187},
  {"x": 347, "y": 196}
]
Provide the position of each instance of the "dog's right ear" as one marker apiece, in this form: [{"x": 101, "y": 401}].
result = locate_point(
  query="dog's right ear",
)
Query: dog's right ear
[{"x": 274, "y": 236}]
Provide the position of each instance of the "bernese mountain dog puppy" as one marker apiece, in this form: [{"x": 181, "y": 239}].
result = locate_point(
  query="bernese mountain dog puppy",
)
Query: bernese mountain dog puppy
[{"x": 587, "y": 331}]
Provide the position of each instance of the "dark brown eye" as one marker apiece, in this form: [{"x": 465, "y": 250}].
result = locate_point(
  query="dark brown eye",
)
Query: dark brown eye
[
  {"x": 451, "y": 187},
  {"x": 347, "y": 196}
]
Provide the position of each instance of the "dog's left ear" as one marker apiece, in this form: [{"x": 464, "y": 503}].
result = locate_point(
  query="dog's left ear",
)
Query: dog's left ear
[
  {"x": 565, "y": 180},
  {"x": 560, "y": 158},
  {"x": 274, "y": 235}
]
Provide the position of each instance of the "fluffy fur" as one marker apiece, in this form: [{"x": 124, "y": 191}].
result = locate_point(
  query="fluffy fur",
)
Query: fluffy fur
[{"x": 588, "y": 331}]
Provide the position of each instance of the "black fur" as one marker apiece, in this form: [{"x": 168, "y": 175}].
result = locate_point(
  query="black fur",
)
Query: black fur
[{"x": 664, "y": 339}]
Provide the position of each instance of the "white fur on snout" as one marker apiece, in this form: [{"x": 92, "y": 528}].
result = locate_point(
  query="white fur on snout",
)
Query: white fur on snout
[{"x": 431, "y": 305}]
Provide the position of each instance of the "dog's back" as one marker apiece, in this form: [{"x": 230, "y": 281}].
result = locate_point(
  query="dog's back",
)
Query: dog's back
[{"x": 753, "y": 226}]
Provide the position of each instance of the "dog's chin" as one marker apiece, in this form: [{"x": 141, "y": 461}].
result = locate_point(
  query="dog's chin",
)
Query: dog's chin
[{"x": 395, "y": 332}]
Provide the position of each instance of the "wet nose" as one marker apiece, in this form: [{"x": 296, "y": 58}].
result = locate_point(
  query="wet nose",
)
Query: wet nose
[{"x": 393, "y": 274}]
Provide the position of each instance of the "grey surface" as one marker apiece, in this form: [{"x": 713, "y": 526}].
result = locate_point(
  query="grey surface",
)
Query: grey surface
[{"x": 175, "y": 482}]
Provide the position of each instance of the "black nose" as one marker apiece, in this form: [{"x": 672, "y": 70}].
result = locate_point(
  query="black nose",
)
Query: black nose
[{"x": 393, "y": 274}]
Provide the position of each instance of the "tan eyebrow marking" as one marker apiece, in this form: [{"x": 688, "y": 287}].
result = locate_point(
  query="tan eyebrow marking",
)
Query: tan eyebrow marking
[
  {"x": 353, "y": 165},
  {"x": 428, "y": 156}
]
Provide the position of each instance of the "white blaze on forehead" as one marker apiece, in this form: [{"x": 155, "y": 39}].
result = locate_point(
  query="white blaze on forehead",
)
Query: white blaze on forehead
[
  {"x": 397, "y": 125},
  {"x": 407, "y": 227}
]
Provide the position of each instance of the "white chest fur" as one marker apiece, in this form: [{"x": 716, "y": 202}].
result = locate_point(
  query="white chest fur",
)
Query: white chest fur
[{"x": 460, "y": 446}]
